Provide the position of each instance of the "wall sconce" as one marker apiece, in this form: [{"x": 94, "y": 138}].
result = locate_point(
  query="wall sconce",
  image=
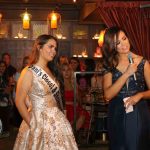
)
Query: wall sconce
[
  {"x": 98, "y": 53},
  {"x": 101, "y": 38},
  {"x": 54, "y": 18},
  {"x": 96, "y": 36},
  {"x": 84, "y": 53},
  {"x": 1, "y": 17},
  {"x": 26, "y": 19}
]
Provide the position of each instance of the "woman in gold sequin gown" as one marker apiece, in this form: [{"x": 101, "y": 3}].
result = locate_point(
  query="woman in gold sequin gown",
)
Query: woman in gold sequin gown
[{"x": 44, "y": 125}]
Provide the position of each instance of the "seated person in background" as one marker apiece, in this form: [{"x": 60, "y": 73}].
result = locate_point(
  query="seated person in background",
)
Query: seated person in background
[
  {"x": 82, "y": 115},
  {"x": 17, "y": 119},
  {"x": 10, "y": 70},
  {"x": 96, "y": 80},
  {"x": 83, "y": 89},
  {"x": 84, "y": 79},
  {"x": 25, "y": 63},
  {"x": 63, "y": 59},
  {"x": 96, "y": 83},
  {"x": 5, "y": 100},
  {"x": 74, "y": 64}
]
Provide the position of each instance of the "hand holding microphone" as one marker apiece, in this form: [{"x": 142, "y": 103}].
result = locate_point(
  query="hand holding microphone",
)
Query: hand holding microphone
[{"x": 132, "y": 62}]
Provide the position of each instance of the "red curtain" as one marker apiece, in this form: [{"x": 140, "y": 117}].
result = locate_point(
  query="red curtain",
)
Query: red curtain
[{"x": 133, "y": 19}]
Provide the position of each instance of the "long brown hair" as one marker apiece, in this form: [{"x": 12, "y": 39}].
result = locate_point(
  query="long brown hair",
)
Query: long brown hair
[
  {"x": 52, "y": 65},
  {"x": 39, "y": 43},
  {"x": 109, "y": 49}
]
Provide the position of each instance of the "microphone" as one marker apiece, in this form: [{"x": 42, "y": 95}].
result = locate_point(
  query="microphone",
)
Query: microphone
[{"x": 131, "y": 62}]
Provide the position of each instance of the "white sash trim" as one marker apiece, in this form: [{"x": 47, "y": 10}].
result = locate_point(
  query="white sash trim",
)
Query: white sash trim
[{"x": 54, "y": 88}]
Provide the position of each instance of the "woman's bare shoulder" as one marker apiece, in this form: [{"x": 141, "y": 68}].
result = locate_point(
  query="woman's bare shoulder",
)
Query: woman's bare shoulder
[
  {"x": 137, "y": 58},
  {"x": 26, "y": 73}
]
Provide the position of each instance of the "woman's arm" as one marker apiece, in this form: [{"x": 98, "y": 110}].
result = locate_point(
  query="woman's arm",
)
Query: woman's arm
[
  {"x": 141, "y": 95},
  {"x": 23, "y": 86},
  {"x": 111, "y": 90},
  {"x": 146, "y": 94}
]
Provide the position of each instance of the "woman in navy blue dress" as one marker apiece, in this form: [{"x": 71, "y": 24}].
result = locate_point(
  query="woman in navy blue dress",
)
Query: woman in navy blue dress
[{"x": 126, "y": 87}]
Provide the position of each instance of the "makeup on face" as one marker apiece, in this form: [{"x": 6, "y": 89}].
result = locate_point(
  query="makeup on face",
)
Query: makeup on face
[
  {"x": 49, "y": 50},
  {"x": 122, "y": 43}
]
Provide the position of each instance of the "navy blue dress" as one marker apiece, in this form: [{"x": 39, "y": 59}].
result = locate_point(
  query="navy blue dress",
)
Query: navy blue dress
[{"x": 129, "y": 131}]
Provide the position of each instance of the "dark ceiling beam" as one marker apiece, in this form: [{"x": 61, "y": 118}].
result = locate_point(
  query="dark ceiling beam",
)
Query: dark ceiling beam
[
  {"x": 12, "y": 11},
  {"x": 89, "y": 15},
  {"x": 87, "y": 10},
  {"x": 38, "y": 15},
  {"x": 84, "y": 12},
  {"x": 38, "y": 6}
]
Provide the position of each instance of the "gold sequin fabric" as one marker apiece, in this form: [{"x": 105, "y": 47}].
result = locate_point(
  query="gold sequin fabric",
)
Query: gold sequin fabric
[{"x": 49, "y": 129}]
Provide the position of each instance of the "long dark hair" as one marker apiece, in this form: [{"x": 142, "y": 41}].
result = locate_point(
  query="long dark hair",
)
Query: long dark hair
[
  {"x": 39, "y": 43},
  {"x": 109, "y": 49},
  {"x": 52, "y": 65}
]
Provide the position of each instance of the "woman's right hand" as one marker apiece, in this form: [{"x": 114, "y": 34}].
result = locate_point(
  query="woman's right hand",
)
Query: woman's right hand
[{"x": 131, "y": 69}]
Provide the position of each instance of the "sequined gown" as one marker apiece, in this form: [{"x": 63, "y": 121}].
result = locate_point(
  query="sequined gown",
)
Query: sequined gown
[
  {"x": 49, "y": 128},
  {"x": 129, "y": 131}
]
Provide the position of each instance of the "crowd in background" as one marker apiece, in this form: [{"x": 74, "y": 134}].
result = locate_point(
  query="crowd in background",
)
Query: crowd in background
[{"x": 8, "y": 79}]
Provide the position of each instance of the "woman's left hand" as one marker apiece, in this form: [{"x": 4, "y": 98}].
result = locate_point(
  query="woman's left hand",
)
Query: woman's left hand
[{"x": 133, "y": 100}]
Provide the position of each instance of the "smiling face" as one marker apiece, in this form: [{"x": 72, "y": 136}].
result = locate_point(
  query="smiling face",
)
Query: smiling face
[
  {"x": 122, "y": 43},
  {"x": 48, "y": 51}
]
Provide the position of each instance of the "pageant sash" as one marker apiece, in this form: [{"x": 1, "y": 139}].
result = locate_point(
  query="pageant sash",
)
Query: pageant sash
[{"x": 53, "y": 87}]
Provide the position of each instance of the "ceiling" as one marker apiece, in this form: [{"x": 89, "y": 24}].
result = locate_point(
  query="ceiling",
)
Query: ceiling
[
  {"x": 40, "y": 4},
  {"x": 83, "y": 10},
  {"x": 68, "y": 8},
  {"x": 53, "y": 3},
  {"x": 58, "y": 1},
  {"x": 49, "y": 2}
]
